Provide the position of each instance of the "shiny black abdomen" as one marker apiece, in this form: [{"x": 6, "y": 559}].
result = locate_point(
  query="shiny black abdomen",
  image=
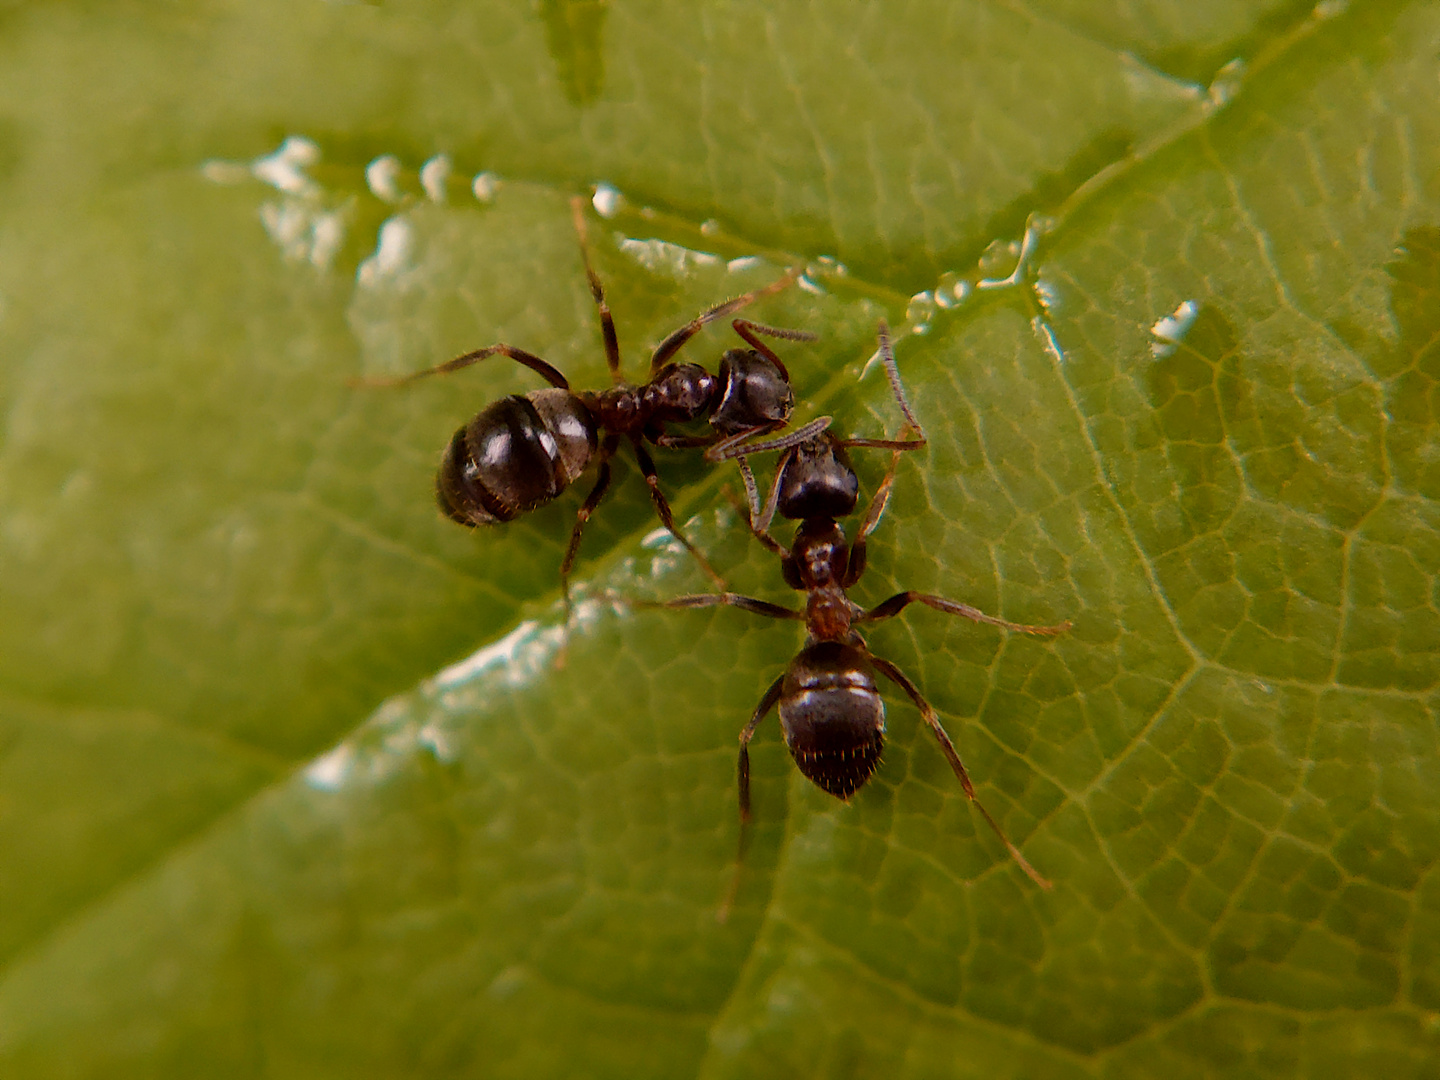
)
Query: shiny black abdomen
[
  {"x": 508, "y": 460},
  {"x": 832, "y": 716}
]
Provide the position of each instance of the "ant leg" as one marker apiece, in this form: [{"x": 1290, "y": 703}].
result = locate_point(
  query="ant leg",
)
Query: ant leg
[
  {"x": 878, "y": 502},
  {"x": 752, "y": 490},
  {"x": 743, "y": 770},
  {"x": 735, "y": 446},
  {"x": 607, "y": 323},
  {"x": 760, "y": 523},
  {"x": 602, "y": 484},
  {"x": 662, "y": 508},
  {"x": 895, "y": 675},
  {"x": 900, "y": 601},
  {"x": 672, "y": 344},
  {"x": 892, "y": 372},
  {"x": 725, "y": 599},
  {"x": 684, "y": 442},
  {"x": 747, "y": 330},
  {"x": 750, "y": 507},
  {"x": 881, "y": 498},
  {"x": 520, "y": 356},
  {"x": 762, "y": 710}
]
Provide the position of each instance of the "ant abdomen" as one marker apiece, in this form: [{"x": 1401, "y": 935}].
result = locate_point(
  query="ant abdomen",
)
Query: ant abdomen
[
  {"x": 832, "y": 716},
  {"x": 515, "y": 455}
]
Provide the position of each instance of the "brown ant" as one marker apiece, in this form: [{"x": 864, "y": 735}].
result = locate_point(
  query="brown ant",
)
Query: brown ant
[
  {"x": 830, "y": 709},
  {"x": 520, "y": 452}
]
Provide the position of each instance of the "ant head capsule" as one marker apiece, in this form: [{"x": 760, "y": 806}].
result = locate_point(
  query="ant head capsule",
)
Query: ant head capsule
[
  {"x": 819, "y": 481},
  {"x": 832, "y": 716},
  {"x": 754, "y": 392}
]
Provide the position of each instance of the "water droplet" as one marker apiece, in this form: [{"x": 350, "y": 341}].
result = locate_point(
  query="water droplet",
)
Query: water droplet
[
  {"x": 743, "y": 263},
  {"x": 1046, "y": 295},
  {"x": 1170, "y": 330},
  {"x": 288, "y": 224},
  {"x": 382, "y": 178},
  {"x": 709, "y": 227},
  {"x": 329, "y": 770},
  {"x": 998, "y": 259},
  {"x": 920, "y": 312},
  {"x": 485, "y": 186},
  {"x": 285, "y": 168},
  {"x": 946, "y": 294},
  {"x": 434, "y": 175},
  {"x": 327, "y": 234},
  {"x": 1226, "y": 83},
  {"x": 657, "y": 255},
  {"x": 224, "y": 172},
  {"x": 607, "y": 200},
  {"x": 810, "y": 285},
  {"x": 392, "y": 252}
]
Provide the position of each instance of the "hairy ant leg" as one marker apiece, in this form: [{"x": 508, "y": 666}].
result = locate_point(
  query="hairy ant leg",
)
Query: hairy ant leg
[
  {"x": 892, "y": 372},
  {"x": 582, "y": 516},
  {"x": 900, "y": 601},
  {"x": 742, "y": 767},
  {"x": 597, "y": 292},
  {"x": 677, "y": 339},
  {"x": 749, "y": 331},
  {"x": 739, "y": 445},
  {"x": 742, "y": 776},
  {"x": 878, "y": 502},
  {"x": 662, "y": 508},
  {"x": 927, "y": 711},
  {"x": 520, "y": 356},
  {"x": 727, "y": 599}
]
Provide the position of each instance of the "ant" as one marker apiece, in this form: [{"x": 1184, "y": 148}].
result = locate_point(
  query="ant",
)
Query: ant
[
  {"x": 829, "y": 704},
  {"x": 522, "y": 451}
]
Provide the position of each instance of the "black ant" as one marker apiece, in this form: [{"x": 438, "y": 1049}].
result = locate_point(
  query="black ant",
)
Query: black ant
[
  {"x": 830, "y": 709},
  {"x": 520, "y": 452}
]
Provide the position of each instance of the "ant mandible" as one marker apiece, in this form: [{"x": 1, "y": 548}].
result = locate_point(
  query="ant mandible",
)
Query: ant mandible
[
  {"x": 830, "y": 709},
  {"x": 520, "y": 452}
]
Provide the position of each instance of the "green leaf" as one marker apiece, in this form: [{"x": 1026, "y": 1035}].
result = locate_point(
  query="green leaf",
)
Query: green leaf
[{"x": 299, "y": 778}]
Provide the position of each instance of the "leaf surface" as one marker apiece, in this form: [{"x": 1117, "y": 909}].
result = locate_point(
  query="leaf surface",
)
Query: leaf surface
[{"x": 301, "y": 779}]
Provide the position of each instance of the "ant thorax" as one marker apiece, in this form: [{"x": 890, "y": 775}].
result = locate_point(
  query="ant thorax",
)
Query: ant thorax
[
  {"x": 828, "y": 612},
  {"x": 818, "y": 557},
  {"x": 680, "y": 392}
]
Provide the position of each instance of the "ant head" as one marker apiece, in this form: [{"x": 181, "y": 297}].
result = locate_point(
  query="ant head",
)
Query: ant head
[
  {"x": 832, "y": 716},
  {"x": 680, "y": 392},
  {"x": 818, "y": 556},
  {"x": 819, "y": 481},
  {"x": 754, "y": 392}
]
